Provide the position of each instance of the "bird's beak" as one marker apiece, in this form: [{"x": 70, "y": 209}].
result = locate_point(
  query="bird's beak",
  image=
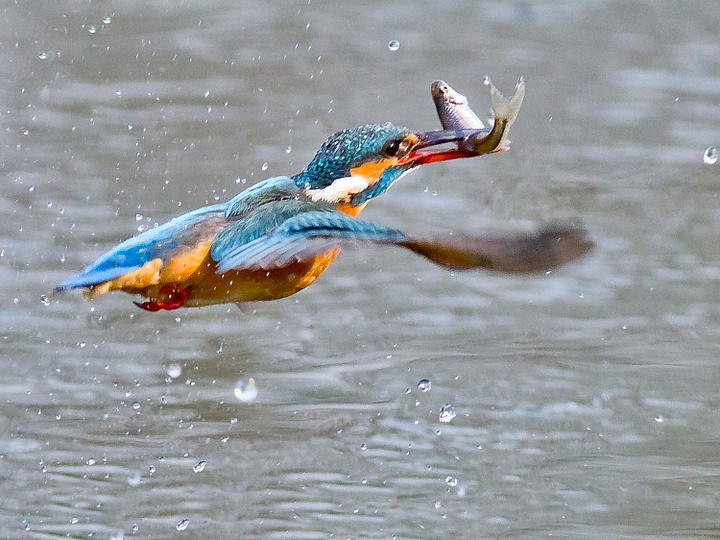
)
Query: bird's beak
[{"x": 431, "y": 146}]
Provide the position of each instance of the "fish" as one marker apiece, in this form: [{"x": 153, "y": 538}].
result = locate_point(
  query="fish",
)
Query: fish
[{"x": 454, "y": 112}]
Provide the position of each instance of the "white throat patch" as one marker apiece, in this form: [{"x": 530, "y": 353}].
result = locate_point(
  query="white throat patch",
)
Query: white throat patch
[{"x": 340, "y": 190}]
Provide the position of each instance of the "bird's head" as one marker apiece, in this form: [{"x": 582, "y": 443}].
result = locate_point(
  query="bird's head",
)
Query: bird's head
[{"x": 357, "y": 164}]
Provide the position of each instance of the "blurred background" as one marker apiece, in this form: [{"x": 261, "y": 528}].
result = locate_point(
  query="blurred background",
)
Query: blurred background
[{"x": 586, "y": 400}]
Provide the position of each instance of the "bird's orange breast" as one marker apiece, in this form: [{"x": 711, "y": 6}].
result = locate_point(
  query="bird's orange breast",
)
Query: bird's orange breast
[{"x": 192, "y": 273}]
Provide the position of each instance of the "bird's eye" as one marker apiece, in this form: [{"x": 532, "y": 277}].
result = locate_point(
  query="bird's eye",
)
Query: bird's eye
[{"x": 391, "y": 148}]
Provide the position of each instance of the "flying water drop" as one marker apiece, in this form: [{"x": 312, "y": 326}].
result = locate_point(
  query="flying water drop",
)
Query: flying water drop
[
  {"x": 447, "y": 413},
  {"x": 451, "y": 481},
  {"x": 393, "y": 45},
  {"x": 245, "y": 390},
  {"x": 182, "y": 525},
  {"x": 711, "y": 155},
  {"x": 173, "y": 370},
  {"x": 424, "y": 385},
  {"x": 199, "y": 466}
]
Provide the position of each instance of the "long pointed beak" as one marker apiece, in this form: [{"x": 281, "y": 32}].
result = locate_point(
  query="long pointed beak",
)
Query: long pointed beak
[{"x": 427, "y": 151}]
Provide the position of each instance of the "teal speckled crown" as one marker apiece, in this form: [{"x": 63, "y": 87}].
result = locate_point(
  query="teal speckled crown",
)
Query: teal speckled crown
[{"x": 344, "y": 149}]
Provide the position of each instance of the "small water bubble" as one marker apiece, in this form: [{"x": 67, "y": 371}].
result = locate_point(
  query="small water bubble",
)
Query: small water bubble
[
  {"x": 138, "y": 217},
  {"x": 451, "y": 481},
  {"x": 486, "y": 80},
  {"x": 92, "y": 29},
  {"x": 199, "y": 466},
  {"x": 107, "y": 19},
  {"x": 711, "y": 155},
  {"x": 363, "y": 446},
  {"x": 74, "y": 521},
  {"x": 265, "y": 166},
  {"x": 173, "y": 370},
  {"x": 447, "y": 413},
  {"x": 288, "y": 149},
  {"x": 182, "y": 525},
  {"x": 135, "y": 527},
  {"x": 393, "y": 45},
  {"x": 134, "y": 480},
  {"x": 90, "y": 461},
  {"x": 44, "y": 300},
  {"x": 659, "y": 419},
  {"x": 245, "y": 390},
  {"x": 151, "y": 469},
  {"x": 424, "y": 385},
  {"x": 136, "y": 405},
  {"x": 43, "y": 55}
]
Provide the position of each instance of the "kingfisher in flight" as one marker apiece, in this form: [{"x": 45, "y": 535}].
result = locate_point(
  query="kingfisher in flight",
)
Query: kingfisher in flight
[{"x": 276, "y": 237}]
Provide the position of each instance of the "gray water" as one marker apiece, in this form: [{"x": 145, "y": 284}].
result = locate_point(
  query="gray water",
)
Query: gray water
[{"x": 587, "y": 400}]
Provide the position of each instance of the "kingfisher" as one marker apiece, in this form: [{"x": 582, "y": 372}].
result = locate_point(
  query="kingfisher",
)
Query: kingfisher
[{"x": 276, "y": 237}]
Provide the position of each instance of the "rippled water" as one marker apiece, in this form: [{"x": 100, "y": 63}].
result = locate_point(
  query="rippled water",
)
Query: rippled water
[{"x": 586, "y": 401}]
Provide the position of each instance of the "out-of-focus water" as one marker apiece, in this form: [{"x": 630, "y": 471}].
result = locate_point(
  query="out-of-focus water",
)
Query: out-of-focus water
[{"x": 586, "y": 400}]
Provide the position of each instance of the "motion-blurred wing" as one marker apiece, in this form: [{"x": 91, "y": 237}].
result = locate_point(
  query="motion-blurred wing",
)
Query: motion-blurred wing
[
  {"x": 548, "y": 248},
  {"x": 302, "y": 237}
]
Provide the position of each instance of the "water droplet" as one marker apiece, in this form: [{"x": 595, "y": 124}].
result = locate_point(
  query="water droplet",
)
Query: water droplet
[
  {"x": 199, "y": 466},
  {"x": 173, "y": 370},
  {"x": 486, "y": 80},
  {"x": 363, "y": 446},
  {"x": 245, "y": 390},
  {"x": 136, "y": 405},
  {"x": 659, "y": 419},
  {"x": 711, "y": 155},
  {"x": 451, "y": 481},
  {"x": 447, "y": 413},
  {"x": 44, "y": 300},
  {"x": 107, "y": 19},
  {"x": 74, "y": 521},
  {"x": 393, "y": 45},
  {"x": 92, "y": 29},
  {"x": 135, "y": 527},
  {"x": 90, "y": 461},
  {"x": 134, "y": 480},
  {"x": 288, "y": 149},
  {"x": 182, "y": 525},
  {"x": 424, "y": 385},
  {"x": 43, "y": 55},
  {"x": 438, "y": 504},
  {"x": 265, "y": 166}
]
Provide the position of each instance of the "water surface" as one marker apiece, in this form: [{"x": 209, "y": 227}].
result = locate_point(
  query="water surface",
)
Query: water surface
[{"x": 586, "y": 399}]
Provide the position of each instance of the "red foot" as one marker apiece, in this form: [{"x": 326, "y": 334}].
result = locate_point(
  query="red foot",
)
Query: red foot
[{"x": 169, "y": 297}]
